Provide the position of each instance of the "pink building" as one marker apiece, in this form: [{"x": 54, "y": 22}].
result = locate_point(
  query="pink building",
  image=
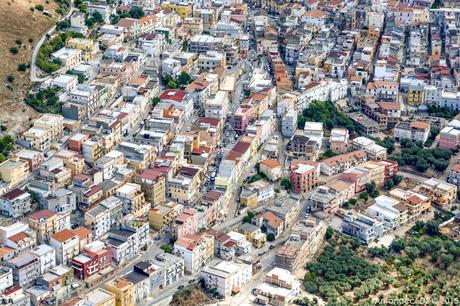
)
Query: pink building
[
  {"x": 213, "y": 202},
  {"x": 242, "y": 118},
  {"x": 359, "y": 176},
  {"x": 304, "y": 175},
  {"x": 449, "y": 138},
  {"x": 186, "y": 223}
]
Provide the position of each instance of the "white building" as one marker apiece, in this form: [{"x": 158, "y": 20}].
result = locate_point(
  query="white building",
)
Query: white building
[
  {"x": 289, "y": 123},
  {"x": 314, "y": 131},
  {"x": 226, "y": 277},
  {"x": 46, "y": 256},
  {"x": 69, "y": 57},
  {"x": 388, "y": 211}
]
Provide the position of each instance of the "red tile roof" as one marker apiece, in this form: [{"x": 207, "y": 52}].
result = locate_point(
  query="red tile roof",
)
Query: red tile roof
[
  {"x": 173, "y": 94},
  {"x": 13, "y": 194}
]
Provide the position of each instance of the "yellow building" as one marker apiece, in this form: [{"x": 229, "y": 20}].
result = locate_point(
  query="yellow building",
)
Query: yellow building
[
  {"x": 53, "y": 123},
  {"x": 248, "y": 198},
  {"x": 163, "y": 215},
  {"x": 13, "y": 171},
  {"x": 100, "y": 297},
  {"x": 376, "y": 171},
  {"x": 43, "y": 222},
  {"x": 182, "y": 9},
  {"x": 123, "y": 290},
  {"x": 84, "y": 44},
  {"x": 441, "y": 193},
  {"x": 254, "y": 234},
  {"x": 415, "y": 95},
  {"x": 153, "y": 184}
]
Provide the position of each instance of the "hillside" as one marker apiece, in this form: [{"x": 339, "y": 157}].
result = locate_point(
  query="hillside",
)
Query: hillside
[{"x": 20, "y": 28}]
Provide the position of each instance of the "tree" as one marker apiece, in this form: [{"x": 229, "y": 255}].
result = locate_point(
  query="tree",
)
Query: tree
[
  {"x": 271, "y": 237},
  {"x": 18, "y": 42},
  {"x": 14, "y": 50},
  {"x": 388, "y": 184},
  {"x": 167, "y": 248},
  {"x": 136, "y": 12},
  {"x": 421, "y": 165},
  {"x": 364, "y": 196},
  {"x": 286, "y": 183},
  {"x": 446, "y": 260},
  {"x": 431, "y": 228},
  {"x": 248, "y": 217},
  {"x": 397, "y": 179},
  {"x": 184, "y": 79},
  {"x": 10, "y": 78},
  {"x": 171, "y": 85},
  {"x": 329, "y": 233},
  {"x": 397, "y": 245},
  {"x": 155, "y": 101},
  {"x": 370, "y": 187},
  {"x": 412, "y": 251}
]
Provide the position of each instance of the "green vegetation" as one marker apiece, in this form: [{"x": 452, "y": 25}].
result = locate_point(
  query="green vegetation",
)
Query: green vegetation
[
  {"x": 10, "y": 78},
  {"x": 180, "y": 82},
  {"x": 327, "y": 154},
  {"x": 421, "y": 266},
  {"x": 364, "y": 196},
  {"x": 23, "y": 67},
  {"x": 329, "y": 233},
  {"x": 14, "y": 50},
  {"x": 167, "y": 248},
  {"x": 43, "y": 57},
  {"x": 134, "y": 12},
  {"x": 387, "y": 142},
  {"x": 40, "y": 7},
  {"x": 249, "y": 215},
  {"x": 392, "y": 182},
  {"x": 95, "y": 18},
  {"x": 271, "y": 237},
  {"x": 6, "y": 146},
  {"x": 155, "y": 101},
  {"x": 434, "y": 131},
  {"x": 414, "y": 154},
  {"x": 81, "y": 77},
  {"x": 349, "y": 203},
  {"x": 18, "y": 42},
  {"x": 339, "y": 270},
  {"x": 306, "y": 301},
  {"x": 45, "y": 101},
  {"x": 81, "y": 6},
  {"x": 326, "y": 112},
  {"x": 286, "y": 183},
  {"x": 442, "y": 112},
  {"x": 255, "y": 178}
]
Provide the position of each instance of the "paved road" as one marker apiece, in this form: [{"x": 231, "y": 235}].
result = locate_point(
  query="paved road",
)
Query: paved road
[{"x": 33, "y": 66}]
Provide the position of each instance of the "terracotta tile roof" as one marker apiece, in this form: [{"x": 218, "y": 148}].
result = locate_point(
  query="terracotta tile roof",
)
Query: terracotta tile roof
[
  {"x": 456, "y": 168},
  {"x": 271, "y": 163},
  {"x": 272, "y": 220},
  {"x": 420, "y": 125},
  {"x": 18, "y": 237},
  {"x": 151, "y": 174},
  {"x": 82, "y": 232},
  {"x": 63, "y": 235},
  {"x": 4, "y": 250},
  {"x": 42, "y": 214}
]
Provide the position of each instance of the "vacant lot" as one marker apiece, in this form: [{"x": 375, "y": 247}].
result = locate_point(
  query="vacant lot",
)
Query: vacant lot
[{"x": 20, "y": 28}]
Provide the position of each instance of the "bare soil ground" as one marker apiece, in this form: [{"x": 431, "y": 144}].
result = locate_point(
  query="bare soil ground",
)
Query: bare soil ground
[
  {"x": 18, "y": 22},
  {"x": 192, "y": 295}
]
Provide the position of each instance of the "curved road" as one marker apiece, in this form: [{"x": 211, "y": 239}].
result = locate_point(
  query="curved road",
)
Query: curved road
[{"x": 33, "y": 65}]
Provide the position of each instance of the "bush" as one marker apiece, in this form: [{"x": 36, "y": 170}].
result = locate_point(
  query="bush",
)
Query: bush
[
  {"x": 14, "y": 50},
  {"x": 329, "y": 233},
  {"x": 10, "y": 78},
  {"x": 286, "y": 183},
  {"x": 167, "y": 248},
  {"x": 18, "y": 42},
  {"x": 40, "y": 7},
  {"x": 271, "y": 237},
  {"x": 22, "y": 67}
]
